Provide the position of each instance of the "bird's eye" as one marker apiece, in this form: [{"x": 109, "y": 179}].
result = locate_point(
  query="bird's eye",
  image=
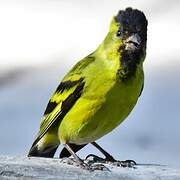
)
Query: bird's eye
[{"x": 118, "y": 33}]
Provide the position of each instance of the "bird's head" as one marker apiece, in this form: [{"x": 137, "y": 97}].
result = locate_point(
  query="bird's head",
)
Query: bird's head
[
  {"x": 131, "y": 29},
  {"x": 128, "y": 32},
  {"x": 126, "y": 40}
]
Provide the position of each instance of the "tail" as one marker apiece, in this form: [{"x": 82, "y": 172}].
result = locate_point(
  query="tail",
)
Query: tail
[
  {"x": 44, "y": 147},
  {"x": 47, "y": 152}
]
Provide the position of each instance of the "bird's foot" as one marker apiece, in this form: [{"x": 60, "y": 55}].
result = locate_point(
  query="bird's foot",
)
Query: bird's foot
[
  {"x": 126, "y": 163},
  {"x": 98, "y": 166},
  {"x": 111, "y": 161},
  {"x": 87, "y": 166},
  {"x": 74, "y": 162}
]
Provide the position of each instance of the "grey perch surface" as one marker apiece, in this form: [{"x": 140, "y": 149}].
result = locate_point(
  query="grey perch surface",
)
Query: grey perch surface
[{"x": 19, "y": 167}]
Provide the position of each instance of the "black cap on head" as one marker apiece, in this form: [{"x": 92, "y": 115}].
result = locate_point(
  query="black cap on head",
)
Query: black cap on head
[{"x": 132, "y": 21}]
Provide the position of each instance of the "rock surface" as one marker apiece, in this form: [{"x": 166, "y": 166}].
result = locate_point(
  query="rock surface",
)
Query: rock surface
[{"x": 42, "y": 168}]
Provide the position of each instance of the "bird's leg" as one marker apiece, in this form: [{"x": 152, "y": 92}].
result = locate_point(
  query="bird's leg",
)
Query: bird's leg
[
  {"x": 82, "y": 164},
  {"x": 78, "y": 160},
  {"x": 109, "y": 158},
  {"x": 105, "y": 153}
]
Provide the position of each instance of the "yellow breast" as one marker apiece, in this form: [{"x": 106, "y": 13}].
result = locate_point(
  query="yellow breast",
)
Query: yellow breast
[{"x": 93, "y": 116}]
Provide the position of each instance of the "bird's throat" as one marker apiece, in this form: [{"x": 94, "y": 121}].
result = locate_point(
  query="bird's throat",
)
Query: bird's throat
[{"x": 129, "y": 61}]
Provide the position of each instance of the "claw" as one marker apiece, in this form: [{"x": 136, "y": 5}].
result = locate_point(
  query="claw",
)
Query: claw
[
  {"x": 97, "y": 159},
  {"x": 89, "y": 165},
  {"x": 72, "y": 161},
  {"x": 93, "y": 167},
  {"x": 100, "y": 167},
  {"x": 131, "y": 162}
]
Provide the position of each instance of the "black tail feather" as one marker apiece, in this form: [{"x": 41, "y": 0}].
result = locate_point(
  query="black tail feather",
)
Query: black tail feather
[{"x": 48, "y": 152}]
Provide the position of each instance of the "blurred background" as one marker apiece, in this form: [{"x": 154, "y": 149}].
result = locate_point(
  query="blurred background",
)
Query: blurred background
[{"x": 41, "y": 39}]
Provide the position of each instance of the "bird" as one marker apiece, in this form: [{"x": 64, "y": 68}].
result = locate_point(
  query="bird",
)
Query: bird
[{"x": 98, "y": 93}]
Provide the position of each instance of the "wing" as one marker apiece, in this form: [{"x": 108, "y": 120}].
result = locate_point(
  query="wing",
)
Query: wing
[{"x": 65, "y": 96}]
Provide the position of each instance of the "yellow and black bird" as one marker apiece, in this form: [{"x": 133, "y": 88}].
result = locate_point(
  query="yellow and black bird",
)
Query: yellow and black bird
[{"x": 98, "y": 93}]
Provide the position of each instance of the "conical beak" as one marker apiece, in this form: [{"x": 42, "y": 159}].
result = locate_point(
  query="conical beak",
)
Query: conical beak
[{"x": 132, "y": 42}]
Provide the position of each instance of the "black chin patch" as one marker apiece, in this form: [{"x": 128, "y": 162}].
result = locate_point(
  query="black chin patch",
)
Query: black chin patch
[{"x": 129, "y": 63}]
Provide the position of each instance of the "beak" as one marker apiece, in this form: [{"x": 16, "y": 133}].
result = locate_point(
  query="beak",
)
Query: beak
[{"x": 132, "y": 42}]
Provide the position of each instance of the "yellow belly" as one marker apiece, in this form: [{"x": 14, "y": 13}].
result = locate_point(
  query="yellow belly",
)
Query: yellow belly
[{"x": 92, "y": 118}]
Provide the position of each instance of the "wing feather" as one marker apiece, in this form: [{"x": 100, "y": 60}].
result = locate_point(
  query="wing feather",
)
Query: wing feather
[{"x": 65, "y": 96}]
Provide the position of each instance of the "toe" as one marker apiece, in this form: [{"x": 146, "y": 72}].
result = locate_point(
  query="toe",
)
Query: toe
[
  {"x": 100, "y": 167},
  {"x": 126, "y": 163},
  {"x": 93, "y": 158}
]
